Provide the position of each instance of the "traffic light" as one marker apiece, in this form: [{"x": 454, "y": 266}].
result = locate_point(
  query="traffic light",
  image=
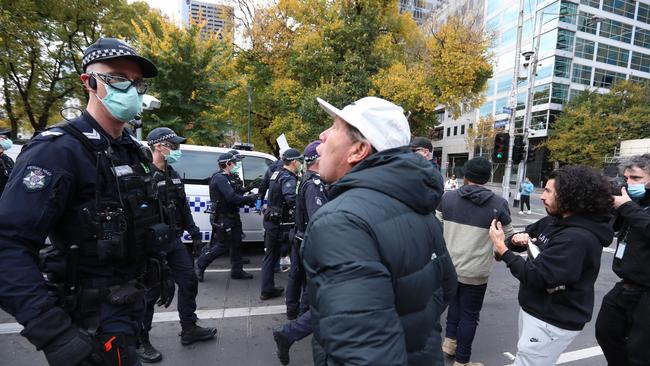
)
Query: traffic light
[
  {"x": 518, "y": 149},
  {"x": 531, "y": 155},
  {"x": 500, "y": 153}
]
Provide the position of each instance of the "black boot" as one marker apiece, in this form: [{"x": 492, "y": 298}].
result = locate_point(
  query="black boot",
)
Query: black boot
[
  {"x": 245, "y": 261},
  {"x": 276, "y": 292},
  {"x": 193, "y": 333},
  {"x": 240, "y": 275},
  {"x": 199, "y": 273},
  {"x": 146, "y": 352},
  {"x": 283, "y": 346}
]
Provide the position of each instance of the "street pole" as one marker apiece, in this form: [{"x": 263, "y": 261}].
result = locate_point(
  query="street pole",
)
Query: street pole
[
  {"x": 248, "y": 89},
  {"x": 513, "y": 103}
]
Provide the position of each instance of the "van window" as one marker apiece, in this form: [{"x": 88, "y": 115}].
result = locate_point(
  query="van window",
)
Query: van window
[
  {"x": 197, "y": 167},
  {"x": 254, "y": 168}
]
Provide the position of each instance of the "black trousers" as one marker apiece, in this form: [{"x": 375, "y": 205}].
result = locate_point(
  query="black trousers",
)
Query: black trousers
[
  {"x": 623, "y": 326},
  {"x": 524, "y": 200}
]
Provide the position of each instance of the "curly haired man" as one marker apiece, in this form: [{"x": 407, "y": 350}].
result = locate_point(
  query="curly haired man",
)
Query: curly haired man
[{"x": 556, "y": 291}]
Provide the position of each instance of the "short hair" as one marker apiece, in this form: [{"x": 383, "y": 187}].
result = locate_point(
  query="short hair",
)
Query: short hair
[
  {"x": 582, "y": 190},
  {"x": 639, "y": 161},
  {"x": 356, "y": 136}
]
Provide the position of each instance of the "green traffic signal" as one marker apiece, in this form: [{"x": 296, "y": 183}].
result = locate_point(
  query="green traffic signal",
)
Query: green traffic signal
[{"x": 499, "y": 155}]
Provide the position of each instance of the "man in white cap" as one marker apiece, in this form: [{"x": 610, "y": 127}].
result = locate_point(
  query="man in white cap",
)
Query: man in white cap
[{"x": 377, "y": 267}]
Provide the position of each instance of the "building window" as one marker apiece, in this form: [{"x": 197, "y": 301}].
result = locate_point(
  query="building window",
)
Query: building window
[
  {"x": 640, "y": 61},
  {"x": 504, "y": 84},
  {"x": 548, "y": 42},
  {"x": 644, "y": 13},
  {"x": 559, "y": 93},
  {"x": 448, "y": 131},
  {"x": 592, "y": 3},
  {"x": 585, "y": 24},
  {"x": 581, "y": 74},
  {"x": 612, "y": 55},
  {"x": 575, "y": 93},
  {"x": 492, "y": 6},
  {"x": 471, "y": 125},
  {"x": 510, "y": 15},
  {"x": 565, "y": 40},
  {"x": 485, "y": 110},
  {"x": 642, "y": 38},
  {"x": 541, "y": 94},
  {"x": 584, "y": 49},
  {"x": 545, "y": 68},
  {"x": 605, "y": 78},
  {"x": 568, "y": 12},
  {"x": 455, "y": 130},
  {"x": 521, "y": 101},
  {"x": 490, "y": 87},
  {"x": 462, "y": 129},
  {"x": 615, "y": 30},
  {"x": 620, "y": 7},
  {"x": 562, "y": 67},
  {"x": 538, "y": 120},
  {"x": 508, "y": 37},
  {"x": 499, "y": 104},
  {"x": 638, "y": 79}
]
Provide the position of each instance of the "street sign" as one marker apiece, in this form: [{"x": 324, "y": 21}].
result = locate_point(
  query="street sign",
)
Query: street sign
[
  {"x": 507, "y": 110},
  {"x": 501, "y": 123}
]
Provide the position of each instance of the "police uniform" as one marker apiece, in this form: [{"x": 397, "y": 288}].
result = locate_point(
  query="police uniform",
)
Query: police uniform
[
  {"x": 311, "y": 196},
  {"x": 227, "y": 226},
  {"x": 278, "y": 221},
  {"x": 6, "y": 166},
  {"x": 93, "y": 196}
]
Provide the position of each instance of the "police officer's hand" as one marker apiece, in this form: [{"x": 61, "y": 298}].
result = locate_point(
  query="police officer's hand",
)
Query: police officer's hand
[
  {"x": 61, "y": 341},
  {"x": 250, "y": 199},
  {"x": 167, "y": 286},
  {"x": 197, "y": 243}
]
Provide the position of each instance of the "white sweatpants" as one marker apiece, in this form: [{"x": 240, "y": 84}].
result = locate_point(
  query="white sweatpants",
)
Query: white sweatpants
[{"x": 540, "y": 343}]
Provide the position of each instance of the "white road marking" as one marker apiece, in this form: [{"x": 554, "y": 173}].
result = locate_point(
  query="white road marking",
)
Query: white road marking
[
  {"x": 228, "y": 270},
  {"x": 171, "y": 316},
  {"x": 567, "y": 357}
]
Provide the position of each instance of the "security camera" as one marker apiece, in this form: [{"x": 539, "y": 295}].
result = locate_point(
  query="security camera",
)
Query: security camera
[
  {"x": 531, "y": 132},
  {"x": 527, "y": 55},
  {"x": 149, "y": 102}
]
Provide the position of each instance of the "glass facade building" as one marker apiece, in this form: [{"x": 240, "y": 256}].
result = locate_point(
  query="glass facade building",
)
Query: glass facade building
[{"x": 583, "y": 44}]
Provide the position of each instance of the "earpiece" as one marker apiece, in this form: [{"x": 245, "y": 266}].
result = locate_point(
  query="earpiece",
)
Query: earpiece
[{"x": 92, "y": 83}]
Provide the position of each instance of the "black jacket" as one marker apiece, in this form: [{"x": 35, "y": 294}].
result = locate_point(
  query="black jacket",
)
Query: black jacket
[
  {"x": 376, "y": 261},
  {"x": 633, "y": 226},
  {"x": 570, "y": 256},
  {"x": 6, "y": 166}
]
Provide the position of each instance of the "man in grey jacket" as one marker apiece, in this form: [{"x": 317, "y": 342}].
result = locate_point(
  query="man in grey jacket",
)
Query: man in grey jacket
[
  {"x": 466, "y": 214},
  {"x": 377, "y": 267}
]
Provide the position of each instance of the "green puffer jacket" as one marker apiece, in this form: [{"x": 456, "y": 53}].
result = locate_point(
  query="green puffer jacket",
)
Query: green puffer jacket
[{"x": 379, "y": 274}]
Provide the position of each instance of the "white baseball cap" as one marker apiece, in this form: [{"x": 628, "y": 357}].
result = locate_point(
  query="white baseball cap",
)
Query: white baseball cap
[{"x": 381, "y": 122}]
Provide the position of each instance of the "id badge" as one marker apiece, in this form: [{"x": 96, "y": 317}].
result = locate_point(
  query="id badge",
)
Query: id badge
[{"x": 620, "y": 250}]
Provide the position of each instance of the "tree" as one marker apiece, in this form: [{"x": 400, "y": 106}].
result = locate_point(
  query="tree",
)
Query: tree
[
  {"x": 41, "y": 45},
  {"x": 342, "y": 51},
  {"x": 592, "y": 124},
  {"x": 195, "y": 73},
  {"x": 481, "y": 136}
]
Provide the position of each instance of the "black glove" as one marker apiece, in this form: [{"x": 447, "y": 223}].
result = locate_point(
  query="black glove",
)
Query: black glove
[
  {"x": 250, "y": 199},
  {"x": 62, "y": 343},
  {"x": 197, "y": 242},
  {"x": 167, "y": 286}
]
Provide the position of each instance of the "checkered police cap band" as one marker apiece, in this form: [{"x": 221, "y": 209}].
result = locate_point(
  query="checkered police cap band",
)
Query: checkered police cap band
[
  {"x": 162, "y": 138},
  {"x": 106, "y": 53}
]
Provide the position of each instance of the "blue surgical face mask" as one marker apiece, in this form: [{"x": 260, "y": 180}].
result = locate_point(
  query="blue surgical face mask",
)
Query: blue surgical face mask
[
  {"x": 636, "y": 190},
  {"x": 123, "y": 105},
  {"x": 173, "y": 156},
  {"x": 6, "y": 144}
]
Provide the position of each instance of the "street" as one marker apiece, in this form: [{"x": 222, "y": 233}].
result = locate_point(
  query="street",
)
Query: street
[{"x": 245, "y": 322}]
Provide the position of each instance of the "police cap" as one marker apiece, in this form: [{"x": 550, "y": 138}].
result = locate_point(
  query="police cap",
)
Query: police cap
[
  {"x": 236, "y": 154},
  {"x": 226, "y": 158},
  {"x": 160, "y": 134},
  {"x": 5, "y": 133},
  {"x": 110, "y": 48},
  {"x": 310, "y": 151},
  {"x": 291, "y": 155}
]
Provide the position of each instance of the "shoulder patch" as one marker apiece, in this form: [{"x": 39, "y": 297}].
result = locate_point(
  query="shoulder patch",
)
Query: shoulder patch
[
  {"x": 48, "y": 135},
  {"x": 317, "y": 181},
  {"x": 93, "y": 135},
  {"x": 319, "y": 202},
  {"x": 275, "y": 175},
  {"x": 36, "y": 178}
]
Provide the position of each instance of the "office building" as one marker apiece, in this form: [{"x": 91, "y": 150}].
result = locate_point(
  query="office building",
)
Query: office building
[{"x": 218, "y": 17}]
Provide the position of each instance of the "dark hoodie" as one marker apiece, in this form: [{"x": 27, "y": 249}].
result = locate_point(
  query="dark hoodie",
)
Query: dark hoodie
[
  {"x": 376, "y": 263},
  {"x": 558, "y": 286}
]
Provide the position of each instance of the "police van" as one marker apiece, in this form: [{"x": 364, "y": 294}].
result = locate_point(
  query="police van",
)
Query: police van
[{"x": 196, "y": 167}]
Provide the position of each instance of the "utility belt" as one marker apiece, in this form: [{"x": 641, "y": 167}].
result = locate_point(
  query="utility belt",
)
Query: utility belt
[{"x": 278, "y": 216}]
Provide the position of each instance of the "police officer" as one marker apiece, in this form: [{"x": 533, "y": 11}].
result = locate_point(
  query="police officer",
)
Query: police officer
[
  {"x": 311, "y": 196},
  {"x": 216, "y": 248},
  {"x": 165, "y": 145},
  {"x": 226, "y": 223},
  {"x": 6, "y": 163},
  {"x": 278, "y": 218},
  {"x": 87, "y": 185},
  {"x": 266, "y": 180}
]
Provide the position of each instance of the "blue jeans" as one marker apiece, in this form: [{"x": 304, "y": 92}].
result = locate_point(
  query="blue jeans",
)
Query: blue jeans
[
  {"x": 182, "y": 269},
  {"x": 463, "y": 318}
]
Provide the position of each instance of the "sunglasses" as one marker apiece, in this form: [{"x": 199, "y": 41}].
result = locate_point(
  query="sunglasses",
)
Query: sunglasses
[{"x": 121, "y": 83}]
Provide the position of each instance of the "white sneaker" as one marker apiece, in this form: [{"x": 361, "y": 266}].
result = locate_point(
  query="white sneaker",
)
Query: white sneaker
[
  {"x": 521, "y": 212},
  {"x": 529, "y": 212},
  {"x": 285, "y": 261}
]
